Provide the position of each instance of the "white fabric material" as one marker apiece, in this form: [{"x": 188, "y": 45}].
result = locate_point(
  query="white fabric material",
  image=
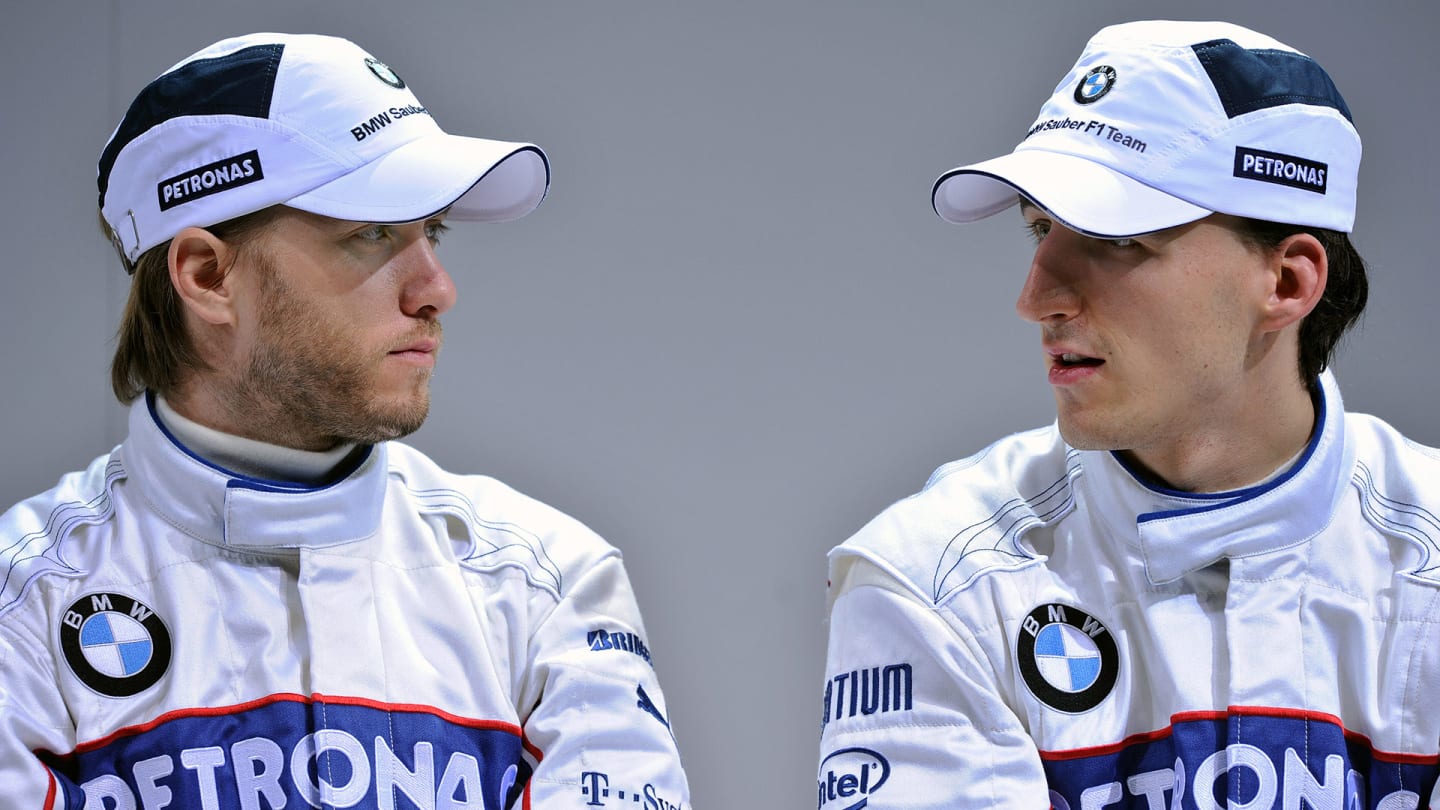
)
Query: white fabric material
[
  {"x": 404, "y": 637},
  {"x": 250, "y": 457},
  {"x": 1279, "y": 641},
  {"x": 1157, "y": 149}
]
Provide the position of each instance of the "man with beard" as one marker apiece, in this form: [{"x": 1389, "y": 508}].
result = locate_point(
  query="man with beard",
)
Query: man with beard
[
  {"x": 1207, "y": 585},
  {"x": 259, "y": 599}
]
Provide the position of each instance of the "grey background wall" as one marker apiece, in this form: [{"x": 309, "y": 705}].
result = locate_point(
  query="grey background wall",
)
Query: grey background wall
[{"x": 735, "y": 331}]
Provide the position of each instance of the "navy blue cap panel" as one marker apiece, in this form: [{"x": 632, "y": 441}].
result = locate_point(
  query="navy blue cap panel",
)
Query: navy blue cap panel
[
  {"x": 1249, "y": 80},
  {"x": 239, "y": 83}
]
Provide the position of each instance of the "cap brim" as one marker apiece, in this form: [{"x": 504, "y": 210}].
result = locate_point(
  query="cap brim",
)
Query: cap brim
[
  {"x": 478, "y": 179},
  {"x": 1084, "y": 195}
]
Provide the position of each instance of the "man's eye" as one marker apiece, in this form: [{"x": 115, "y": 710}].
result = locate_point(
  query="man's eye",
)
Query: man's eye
[
  {"x": 1123, "y": 242},
  {"x": 374, "y": 233},
  {"x": 1037, "y": 230},
  {"x": 434, "y": 230}
]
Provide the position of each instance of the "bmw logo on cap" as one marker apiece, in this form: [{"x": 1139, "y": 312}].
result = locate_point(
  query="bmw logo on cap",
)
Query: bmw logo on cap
[
  {"x": 115, "y": 644},
  {"x": 384, "y": 73},
  {"x": 1095, "y": 84},
  {"x": 1067, "y": 657}
]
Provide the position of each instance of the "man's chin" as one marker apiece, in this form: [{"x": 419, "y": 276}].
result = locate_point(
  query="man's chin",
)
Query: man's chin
[
  {"x": 405, "y": 425},
  {"x": 387, "y": 423},
  {"x": 1083, "y": 436}
]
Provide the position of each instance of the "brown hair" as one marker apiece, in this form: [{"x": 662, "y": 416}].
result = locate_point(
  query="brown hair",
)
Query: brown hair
[
  {"x": 1346, "y": 290},
  {"x": 152, "y": 348}
]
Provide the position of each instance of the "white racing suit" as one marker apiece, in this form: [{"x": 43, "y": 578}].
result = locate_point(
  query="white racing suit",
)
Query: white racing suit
[
  {"x": 176, "y": 636},
  {"x": 1038, "y": 628}
]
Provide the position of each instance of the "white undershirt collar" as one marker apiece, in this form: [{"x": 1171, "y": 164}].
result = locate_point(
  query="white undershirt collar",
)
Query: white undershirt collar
[{"x": 250, "y": 457}]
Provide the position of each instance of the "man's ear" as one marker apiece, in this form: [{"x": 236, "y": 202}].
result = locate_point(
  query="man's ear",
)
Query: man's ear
[
  {"x": 1299, "y": 269},
  {"x": 199, "y": 268}
]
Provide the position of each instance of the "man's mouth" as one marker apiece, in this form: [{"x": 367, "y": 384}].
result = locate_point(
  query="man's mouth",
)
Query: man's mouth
[
  {"x": 425, "y": 346},
  {"x": 1072, "y": 360}
]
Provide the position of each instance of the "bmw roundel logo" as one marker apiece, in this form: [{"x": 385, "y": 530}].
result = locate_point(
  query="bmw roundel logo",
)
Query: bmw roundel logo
[
  {"x": 384, "y": 73},
  {"x": 1095, "y": 84},
  {"x": 115, "y": 644},
  {"x": 1067, "y": 657}
]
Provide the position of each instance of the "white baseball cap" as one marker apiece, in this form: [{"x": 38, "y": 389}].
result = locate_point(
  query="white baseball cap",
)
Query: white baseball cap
[
  {"x": 1161, "y": 123},
  {"x": 313, "y": 122}
]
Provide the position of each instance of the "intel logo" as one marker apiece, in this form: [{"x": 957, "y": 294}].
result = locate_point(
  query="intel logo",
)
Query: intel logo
[{"x": 849, "y": 776}]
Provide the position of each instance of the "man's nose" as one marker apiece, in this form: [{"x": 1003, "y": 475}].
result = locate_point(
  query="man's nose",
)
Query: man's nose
[{"x": 1048, "y": 294}]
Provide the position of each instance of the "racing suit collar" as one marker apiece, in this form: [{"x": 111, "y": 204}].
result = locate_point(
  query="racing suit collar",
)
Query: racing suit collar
[
  {"x": 1179, "y": 532},
  {"x": 222, "y": 507}
]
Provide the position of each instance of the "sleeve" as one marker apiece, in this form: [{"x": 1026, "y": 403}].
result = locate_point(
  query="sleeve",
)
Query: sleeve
[
  {"x": 913, "y": 716},
  {"x": 600, "y": 733},
  {"x": 32, "y": 724}
]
